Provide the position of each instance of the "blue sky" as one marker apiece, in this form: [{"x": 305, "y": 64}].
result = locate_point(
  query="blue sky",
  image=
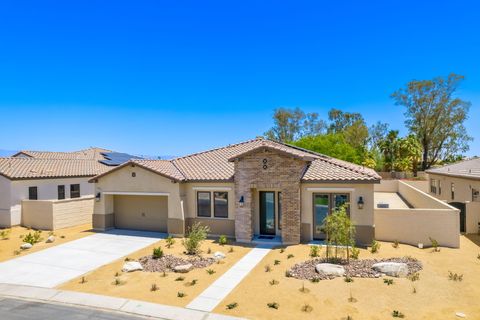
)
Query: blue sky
[{"x": 174, "y": 77}]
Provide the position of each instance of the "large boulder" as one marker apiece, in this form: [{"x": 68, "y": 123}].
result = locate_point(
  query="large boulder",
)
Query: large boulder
[
  {"x": 131, "y": 266},
  {"x": 330, "y": 269},
  {"x": 184, "y": 268},
  {"x": 392, "y": 269},
  {"x": 26, "y": 246},
  {"x": 219, "y": 255}
]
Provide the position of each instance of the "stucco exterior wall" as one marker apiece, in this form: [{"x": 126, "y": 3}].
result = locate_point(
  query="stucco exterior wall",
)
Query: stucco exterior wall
[
  {"x": 37, "y": 214},
  {"x": 5, "y": 196},
  {"x": 473, "y": 217},
  {"x": 463, "y": 188}
]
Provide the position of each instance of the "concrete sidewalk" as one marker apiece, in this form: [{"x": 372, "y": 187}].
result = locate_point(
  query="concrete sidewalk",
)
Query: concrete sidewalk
[
  {"x": 127, "y": 306},
  {"x": 51, "y": 267}
]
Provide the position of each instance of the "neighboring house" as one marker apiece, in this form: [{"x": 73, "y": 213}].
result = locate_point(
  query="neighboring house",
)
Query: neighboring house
[
  {"x": 459, "y": 185},
  {"x": 258, "y": 188},
  {"x": 50, "y": 190}
]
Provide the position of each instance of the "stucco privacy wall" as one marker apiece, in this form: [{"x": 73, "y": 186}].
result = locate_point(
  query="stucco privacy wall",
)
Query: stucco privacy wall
[
  {"x": 473, "y": 217},
  {"x": 5, "y": 216},
  {"x": 57, "y": 214},
  {"x": 143, "y": 181},
  {"x": 363, "y": 219}
]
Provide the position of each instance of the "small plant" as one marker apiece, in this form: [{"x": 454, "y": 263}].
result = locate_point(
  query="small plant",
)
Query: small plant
[
  {"x": 395, "y": 244},
  {"x": 273, "y": 282},
  {"x": 397, "y": 314},
  {"x": 16, "y": 252},
  {"x": 209, "y": 251},
  {"x": 288, "y": 274},
  {"x": 118, "y": 282},
  {"x": 210, "y": 271},
  {"x": 154, "y": 287},
  {"x": 179, "y": 278},
  {"x": 273, "y": 305},
  {"x": 127, "y": 259},
  {"x": 33, "y": 238},
  {"x": 478, "y": 256},
  {"x": 375, "y": 246},
  {"x": 455, "y": 276},
  {"x": 117, "y": 274},
  {"x": 388, "y": 282},
  {"x": 303, "y": 289},
  {"x": 230, "y": 250},
  {"x": 307, "y": 308},
  {"x": 83, "y": 280},
  {"x": 414, "y": 277},
  {"x": 222, "y": 240},
  {"x": 290, "y": 256},
  {"x": 315, "y": 280},
  {"x": 355, "y": 253},
  {"x": 282, "y": 250},
  {"x": 5, "y": 234},
  {"x": 181, "y": 294},
  {"x": 351, "y": 298},
  {"x": 164, "y": 274},
  {"x": 62, "y": 237},
  {"x": 434, "y": 244},
  {"x": 268, "y": 268},
  {"x": 276, "y": 262},
  {"x": 191, "y": 283},
  {"x": 232, "y": 305},
  {"x": 348, "y": 279},
  {"x": 197, "y": 233},
  {"x": 170, "y": 241},
  {"x": 157, "y": 253},
  {"x": 314, "y": 251}
]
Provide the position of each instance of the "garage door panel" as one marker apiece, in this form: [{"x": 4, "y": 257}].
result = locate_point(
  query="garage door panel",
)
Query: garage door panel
[{"x": 141, "y": 212}]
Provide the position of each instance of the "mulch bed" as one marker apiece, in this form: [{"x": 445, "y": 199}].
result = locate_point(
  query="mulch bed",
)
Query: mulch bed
[
  {"x": 356, "y": 268},
  {"x": 168, "y": 262}
]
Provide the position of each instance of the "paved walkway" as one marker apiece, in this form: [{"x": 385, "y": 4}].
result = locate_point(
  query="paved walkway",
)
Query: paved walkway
[
  {"x": 217, "y": 291},
  {"x": 51, "y": 267},
  {"x": 105, "y": 303}
]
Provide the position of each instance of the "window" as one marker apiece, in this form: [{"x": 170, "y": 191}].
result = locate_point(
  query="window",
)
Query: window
[
  {"x": 32, "y": 193},
  {"x": 220, "y": 206},
  {"x": 74, "y": 191},
  {"x": 433, "y": 186},
  {"x": 279, "y": 211},
  {"x": 61, "y": 192},
  {"x": 204, "y": 204},
  {"x": 452, "y": 190},
  {"x": 475, "y": 195}
]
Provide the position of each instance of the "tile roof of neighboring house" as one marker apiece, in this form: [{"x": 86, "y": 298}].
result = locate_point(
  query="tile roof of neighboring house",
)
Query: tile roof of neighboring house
[
  {"x": 33, "y": 168},
  {"x": 464, "y": 169},
  {"x": 86, "y": 154},
  {"x": 217, "y": 165}
]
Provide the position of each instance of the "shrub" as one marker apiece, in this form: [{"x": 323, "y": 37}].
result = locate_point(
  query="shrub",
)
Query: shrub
[
  {"x": 5, "y": 234},
  {"x": 154, "y": 287},
  {"x": 127, "y": 259},
  {"x": 33, "y": 238},
  {"x": 455, "y": 276},
  {"x": 434, "y": 244},
  {"x": 290, "y": 256},
  {"x": 375, "y": 246},
  {"x": 230, "y": 250},
  {"x": 181, "y": 294},
  {"x": 179, "y": 278},
  {"x": 314, "y": 251},
  {"x": 232, "y": 305},
  {"x": 395, "y": 244},
  {"x": 397, "y": 314},
  {"x": 117, "y": 274},
  {"x": 288, "y": 274},
  {"x": 118, "y": 282},
  {"x": 348, "y": 279},
  {"x": 170, "y": 241},
  {"x": 210, "y": 271},
  {"x": 268, "y": 268},
  {"x": 222, "y": 240},
  {"x": 276, "y": 262},
  {"x": 196, "y": 234},
  {"x": 157, "y": 253},
  {"x": 164, "y": 274},
  {"x": 355, "y": 253},
  {"x": 62, "y": 237},
  {"x": 351, "y": 298},
  {"x": 191, "y": 283},
  {"x": 307, "y": 308},
  {"x": 273, "y": 305},
  {"x": 83, "y": 280},
  {"x": 388, "y": 282},
  {"x": 315, "y": 280},
  {"x": 209, "y": 250},
  {"x": 282, "y": 250},
  {"x": 16, "y": 252},
  {"x": 414, "y": 277},
  {"x": 273, "y": 282}
]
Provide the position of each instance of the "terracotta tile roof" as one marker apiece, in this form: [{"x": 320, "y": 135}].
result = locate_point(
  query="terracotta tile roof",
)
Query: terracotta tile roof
[
  {"x": 32, "y": 168},
  {"x": 331, "y": 169},
  {"x": 466, "y": 169},
  {"x": 86, "y": 154},
  {"x": 163, "y": 167}
]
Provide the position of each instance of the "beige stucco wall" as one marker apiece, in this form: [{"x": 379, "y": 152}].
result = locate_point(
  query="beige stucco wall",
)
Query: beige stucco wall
[
  {"x": 413, "y": 226},
  {"x": 5, "y": 204},
  {"x": 463, "y": 188},
  {"x": 37, "y": 214},
  {"x": 473, "y": 217},
  {"x": 421, "y": 185}
]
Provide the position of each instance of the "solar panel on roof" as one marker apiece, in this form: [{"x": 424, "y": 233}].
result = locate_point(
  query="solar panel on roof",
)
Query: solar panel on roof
[{"x": 116, "y": 158}]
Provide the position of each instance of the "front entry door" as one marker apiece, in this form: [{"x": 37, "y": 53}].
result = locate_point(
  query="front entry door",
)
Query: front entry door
[
  {"x": 321, "y": 207},
  {"x": 267, "y": 212}
]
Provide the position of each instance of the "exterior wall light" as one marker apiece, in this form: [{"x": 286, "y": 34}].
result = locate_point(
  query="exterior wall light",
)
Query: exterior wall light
[
  {"x": 360, "y": 203},
  {"x": 241, "y": 202},
  {"x": 98, "y": 196}
]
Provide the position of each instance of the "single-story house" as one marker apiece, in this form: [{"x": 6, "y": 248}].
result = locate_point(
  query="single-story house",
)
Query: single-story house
[
  {"x": 257, "y": 188},
  {"x": 50, "y": 190},
  {"x": 459, "y": 185}
]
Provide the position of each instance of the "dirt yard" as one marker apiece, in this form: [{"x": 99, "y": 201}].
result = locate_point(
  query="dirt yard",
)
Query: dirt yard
[
  {"x": 10, "y": 248},
  {"x": 437, "y": 297},
  {"x": 137, "y": 285}
]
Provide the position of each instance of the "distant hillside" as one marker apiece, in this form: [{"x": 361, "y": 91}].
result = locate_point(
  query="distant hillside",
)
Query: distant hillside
[{"x": 6, "y": 153}]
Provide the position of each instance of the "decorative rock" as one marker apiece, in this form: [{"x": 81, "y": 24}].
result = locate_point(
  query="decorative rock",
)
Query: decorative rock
[
  {"x": 219, "y": 255},
  {"x": 330, "y": 269},
  {"x": 26, "y": 246},
  {"x": 184, "y": 268},
  {"x": 392, "y": 269},
  {"x": 132, "y": 266},
  {"x": 50, "y": 239},
  {"x": 460, "y": 315}
]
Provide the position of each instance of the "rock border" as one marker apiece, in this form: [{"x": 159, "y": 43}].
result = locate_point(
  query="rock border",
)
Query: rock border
[{"x": 168, "y": 262}]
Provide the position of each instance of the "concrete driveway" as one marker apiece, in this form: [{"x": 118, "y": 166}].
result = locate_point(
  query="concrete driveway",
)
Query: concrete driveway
[{"x": 51, "y": 267}]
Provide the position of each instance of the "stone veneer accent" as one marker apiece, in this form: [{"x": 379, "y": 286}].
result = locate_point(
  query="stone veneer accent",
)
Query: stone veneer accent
[{"x": 282, "y": 173}]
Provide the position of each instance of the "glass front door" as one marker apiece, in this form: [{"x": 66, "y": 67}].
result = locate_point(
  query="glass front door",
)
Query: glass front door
[
  {"x": 267, "y": 212},
  {"x": 321, "y": 205}
]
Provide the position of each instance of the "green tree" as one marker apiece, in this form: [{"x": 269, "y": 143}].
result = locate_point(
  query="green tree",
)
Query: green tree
[
  {"x": 435, "y": 116},
  {"x": 339, "y": 230},
  {"x": 351, "y": 125}
]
